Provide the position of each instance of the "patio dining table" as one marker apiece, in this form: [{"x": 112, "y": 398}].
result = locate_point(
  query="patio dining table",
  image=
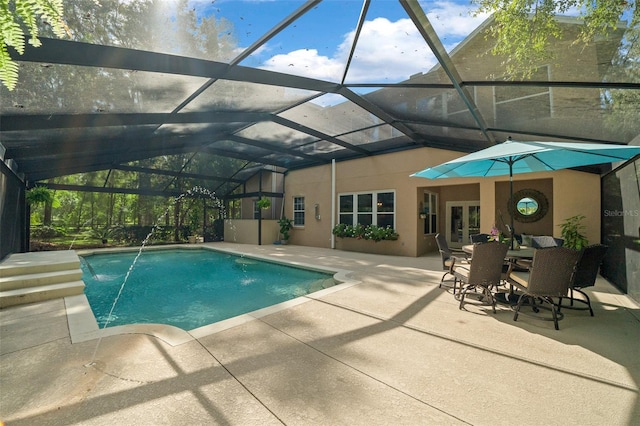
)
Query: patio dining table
[{"x": 522, "y": 253}]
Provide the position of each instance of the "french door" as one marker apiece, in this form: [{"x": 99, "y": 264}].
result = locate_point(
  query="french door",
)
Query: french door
[{"x": 463, "y": 220}]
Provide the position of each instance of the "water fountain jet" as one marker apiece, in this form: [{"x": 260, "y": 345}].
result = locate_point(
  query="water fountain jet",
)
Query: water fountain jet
[{"x": 191, "y": 192}]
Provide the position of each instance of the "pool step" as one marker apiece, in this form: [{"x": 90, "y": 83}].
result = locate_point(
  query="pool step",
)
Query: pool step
[
  {"x": 36, "y": 262},
  {"x": 43, "y": 278},
  {"x": 38, "y": 276},
  {"x": 22, "y": 296}
]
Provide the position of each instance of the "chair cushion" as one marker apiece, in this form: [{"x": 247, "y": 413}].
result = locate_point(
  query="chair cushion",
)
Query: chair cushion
[
  {"x": 462, "y": 271},
  {"x": 519, "y": 279},
  {"x": 457, "y": 260}
]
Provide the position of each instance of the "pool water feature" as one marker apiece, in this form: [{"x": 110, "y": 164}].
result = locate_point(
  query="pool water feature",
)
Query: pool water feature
[{"x": 189, "y": 288}]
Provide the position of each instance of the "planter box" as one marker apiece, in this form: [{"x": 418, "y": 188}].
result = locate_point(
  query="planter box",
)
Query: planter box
[{"x": 386, "y": 247}]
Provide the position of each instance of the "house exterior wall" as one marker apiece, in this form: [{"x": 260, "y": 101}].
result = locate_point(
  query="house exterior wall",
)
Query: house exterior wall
[
  {"x": 544, "y": 226},
  {"x": 381, "y": 172},
  {"x": 569, "y": 193},
  {"x": 503, "y": 106},
  {"x": 314, "y": 184},
  {"x": 246, "y": 231},
  {"x": 578, "y": 193},
  {"x": 265, "y": 182}
]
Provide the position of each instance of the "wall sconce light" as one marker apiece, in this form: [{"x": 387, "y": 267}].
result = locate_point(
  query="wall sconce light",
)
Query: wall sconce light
[{"x": 317, "y": 211}]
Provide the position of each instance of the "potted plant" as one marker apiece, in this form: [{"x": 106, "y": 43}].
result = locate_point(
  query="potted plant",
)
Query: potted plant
[
  {"x": 39, "y": 195},
  {"x": 263, "y": 203},
  {"x": 285, "y": 226},
  {"x": 572, "y": 229}
]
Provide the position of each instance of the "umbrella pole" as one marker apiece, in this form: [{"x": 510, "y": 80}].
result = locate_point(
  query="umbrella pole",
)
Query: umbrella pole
[{"x": 512, "y": 212}]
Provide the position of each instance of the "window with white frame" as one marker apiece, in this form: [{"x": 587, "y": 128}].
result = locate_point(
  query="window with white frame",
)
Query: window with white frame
[
  {"x": 368, "y": 208},
  {"x": 298, "y": 211},
  {"x": 429, "y": 212}
]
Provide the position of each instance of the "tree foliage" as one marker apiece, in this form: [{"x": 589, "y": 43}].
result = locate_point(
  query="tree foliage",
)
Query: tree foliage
[
  {"x": 137, "y": 215},
  {"x": 19, "y": 17},
  {"x": 153, "y": 25},
  {"x": 523, "y": 29}
]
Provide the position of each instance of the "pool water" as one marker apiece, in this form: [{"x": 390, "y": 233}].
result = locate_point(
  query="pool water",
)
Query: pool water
[{"x": 189, "y": 288}]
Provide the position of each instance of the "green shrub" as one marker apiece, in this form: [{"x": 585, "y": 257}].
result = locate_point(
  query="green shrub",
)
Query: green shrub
[
  {"x": 572, "y": 229},
  {"x": 377, "y": 233},
  {"x": 285, "y": 226},
  {"x": 362, "y": 232},
  {"x": 47, "y": 232},
  {"x": 339, "y": 230}
]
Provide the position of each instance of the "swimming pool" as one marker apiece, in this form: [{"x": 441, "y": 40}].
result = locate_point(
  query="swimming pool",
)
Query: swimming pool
[{"x": 189, "y": 288}]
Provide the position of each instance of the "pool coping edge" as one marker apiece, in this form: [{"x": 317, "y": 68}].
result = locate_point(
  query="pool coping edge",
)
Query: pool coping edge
[{"x": 83, "y": 325}]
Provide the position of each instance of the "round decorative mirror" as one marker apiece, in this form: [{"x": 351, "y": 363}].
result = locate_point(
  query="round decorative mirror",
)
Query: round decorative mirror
[{"x": 528, "y": 205}]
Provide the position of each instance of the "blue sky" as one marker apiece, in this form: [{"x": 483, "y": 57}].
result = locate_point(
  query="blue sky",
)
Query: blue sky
[{"x": 318, "y": 44}]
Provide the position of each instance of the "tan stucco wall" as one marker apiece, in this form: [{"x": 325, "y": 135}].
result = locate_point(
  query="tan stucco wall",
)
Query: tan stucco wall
[
  {"x": 245, "y": 231},
  {"x": 571, "y": 193},
  {"x": 314, "y": 184},
  {"x": 578, "y": 193},
  {"x": 378, "y": 173}
]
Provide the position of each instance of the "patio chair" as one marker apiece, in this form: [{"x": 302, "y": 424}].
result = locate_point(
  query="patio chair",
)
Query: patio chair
[
  {"x": 586, "y": 274},
  {"x": 484, "y": 238},
  {"x": 483, "y": 273},
  {"x": 550, "y": 276},
  {"x": 449, "y": 258}
]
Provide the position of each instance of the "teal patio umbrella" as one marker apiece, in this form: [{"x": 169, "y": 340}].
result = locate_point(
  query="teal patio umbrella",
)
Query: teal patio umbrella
[{"x": 512, "y": 157}]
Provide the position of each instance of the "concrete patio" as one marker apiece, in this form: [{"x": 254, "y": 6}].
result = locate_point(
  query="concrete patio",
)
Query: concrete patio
[{"x": 392, "y": 349}]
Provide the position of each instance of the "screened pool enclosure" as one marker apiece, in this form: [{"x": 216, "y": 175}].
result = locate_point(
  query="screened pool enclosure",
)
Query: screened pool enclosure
[{"x": 210, "y": 93}]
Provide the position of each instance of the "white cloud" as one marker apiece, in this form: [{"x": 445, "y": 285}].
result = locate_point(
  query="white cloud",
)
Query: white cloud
[
  {"x": 452, "y": 20},
  {"x": 305, "y": 62},
  {"x": 386, "y": 52}
]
